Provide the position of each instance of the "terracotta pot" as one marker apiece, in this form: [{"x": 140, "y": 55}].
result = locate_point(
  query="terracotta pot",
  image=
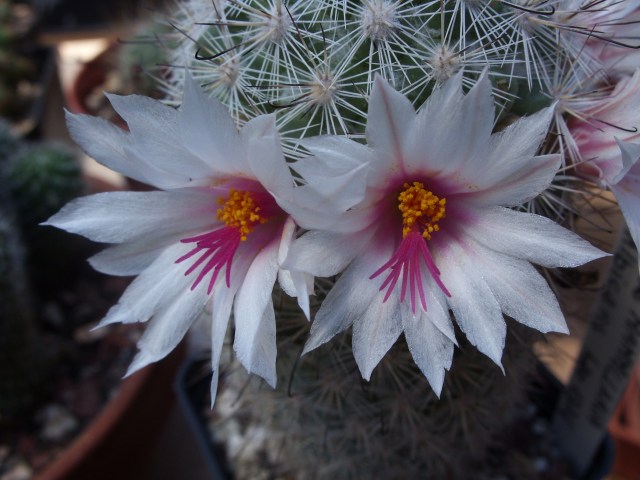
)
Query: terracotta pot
[
  {"x": 123, "y": 434},
  {"x": 90, "y": 77},
  {"x": 625, "y": 429}
]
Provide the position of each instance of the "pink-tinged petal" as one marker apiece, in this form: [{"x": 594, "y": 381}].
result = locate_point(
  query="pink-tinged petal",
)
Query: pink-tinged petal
[
  {"x": 431, "y": 349},
  {"x": 115, "y": 217},
  {"x": 447, "y": 139},
  {"x": 346, "y": 302},
  {"x": 375, "y": 331},
  {"x": 627, "y": 194},
  {"x": 630, "y": 155},
  {"x": 208, "y": 132},
  {"x": 255, "y": 339},
  {"x": 474, "y": 306},
  {"x": 167, "y": 329},
  {"x": 266, "y": 160},
  {"x": 609, "y": 121},
  {"x": 105, "y": 143},
  {"x": 221, "y": 301},
  {"x": 521, "y": 185},
  {"x": 521, "y": 291},
  {"x": 324, "y": 254},
  {"x": 531, "y": 237},
  {"x": 153, "y": 290},
  {"x": 389, "y": 120}
]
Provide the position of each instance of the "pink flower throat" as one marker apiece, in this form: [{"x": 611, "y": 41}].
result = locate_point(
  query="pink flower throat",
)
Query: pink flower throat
[
  {"x": 241, "y": 213},
  {"x": 421, "y": 210}
]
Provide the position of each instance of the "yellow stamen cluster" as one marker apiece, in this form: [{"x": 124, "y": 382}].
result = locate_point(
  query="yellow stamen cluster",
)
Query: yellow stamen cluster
[
  {"x": 240, "y": 211},
  {"x": 420, "y": 209}
]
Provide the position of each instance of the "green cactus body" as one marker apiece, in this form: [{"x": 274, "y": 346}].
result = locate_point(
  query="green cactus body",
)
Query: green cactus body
[
  {"x": 323, "y": 421},
  {"x": 42, "y": 178}
]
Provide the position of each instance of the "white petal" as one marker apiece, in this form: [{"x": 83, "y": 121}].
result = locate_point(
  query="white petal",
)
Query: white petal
[
  {"x": 221, "y": 301},
  {"x": 434, "y": 134},
  {"x": 298, "y": 285},
  {"x": 115, "y": 217},
  {"x": 325, "y": 254},
  {"x": 167, "y": 329},
  {"x": 209, "y": 132},
  {"x": 375, "y": 331},
  {"x": 255, "y": 339},
  {"x": 511, "y": 151},
  {"x": 452, "y": 130},
  {"x": 168, "y": 166},
  {"x": 154, "y": 289},
  {"x": 389, "y": 120},
  {"x": 144, "y": 115},
  {"x": 131, "y": 258},
  {"x": 521, "y": 291},
  {"x": 156, "y": 141},
  {"x": 266, "y": 160},
  {"x": 323, "y": 210},
  {"x": 337, "y": 173},
  {"x": 294, "y": 284},
  {"x": 520, "y": 185},
  {"x": 347, "y": 301},
  {"x": 531, "y": 237},
  {"x": 437, "y": 308},
  {"x": 430, "y": 348},
  {"x": 104, "y": 142},
  {"x": 476, "y": 310},
  {"x": 287, "y": 236},
  {"x": 221, "y": 304},
  {"x": 332, "y": 156}
]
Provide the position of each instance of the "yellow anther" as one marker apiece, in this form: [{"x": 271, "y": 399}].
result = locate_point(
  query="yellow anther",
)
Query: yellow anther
[
  {"x": 420, "y": 208},
  {"x": 240, "y": 211}
]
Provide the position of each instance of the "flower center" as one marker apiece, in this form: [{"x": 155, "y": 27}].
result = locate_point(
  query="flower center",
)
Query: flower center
[
  {"x": 241, "y": 212},
  {"x": 421, "y": 210}
]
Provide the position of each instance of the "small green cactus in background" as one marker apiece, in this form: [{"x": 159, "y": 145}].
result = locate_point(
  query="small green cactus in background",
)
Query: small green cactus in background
[
  {"x": 20, "y": 355},
  {"x": 41, "y": 179},
  {"x": 36, "y": 179}
]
